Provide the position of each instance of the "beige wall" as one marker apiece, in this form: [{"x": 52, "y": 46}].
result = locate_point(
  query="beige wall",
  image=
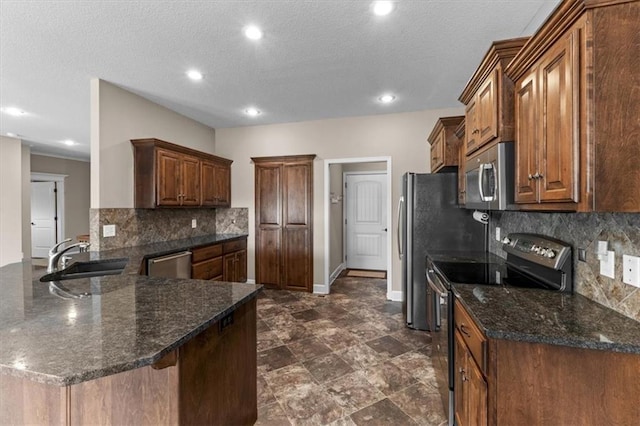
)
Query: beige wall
[
  {"x": 77, "y": 190},
  {"x": 400, "y": 136},
  {"x": 117, "y": 116},
  {"x": 10, "y": 200}
]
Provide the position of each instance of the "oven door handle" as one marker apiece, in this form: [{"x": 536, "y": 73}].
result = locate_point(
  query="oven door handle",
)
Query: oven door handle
[{"x": 435, "y": 284}]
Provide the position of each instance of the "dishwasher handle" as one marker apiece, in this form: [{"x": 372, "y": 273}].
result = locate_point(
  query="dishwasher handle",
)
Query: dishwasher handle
[
  {"x": 435, "y": 284},
  {"x": 170, "y": 257}
]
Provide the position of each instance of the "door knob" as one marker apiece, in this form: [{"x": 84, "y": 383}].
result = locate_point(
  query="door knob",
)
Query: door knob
[
  {"x": 385, "y": 229},
  {"x": 33, "y": 223}
]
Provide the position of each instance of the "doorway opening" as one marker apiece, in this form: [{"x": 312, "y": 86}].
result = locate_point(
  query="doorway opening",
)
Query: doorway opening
[
  {"x": 366, "y": 246},
  {"x": 47, "y": 212}
]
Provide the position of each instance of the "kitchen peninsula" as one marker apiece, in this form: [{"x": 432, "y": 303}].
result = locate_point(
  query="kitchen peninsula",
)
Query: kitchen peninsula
[{"x": 138, "y": 350}]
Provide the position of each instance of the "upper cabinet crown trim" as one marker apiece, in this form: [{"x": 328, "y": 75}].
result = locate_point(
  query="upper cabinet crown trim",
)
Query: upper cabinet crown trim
[
  {"x": 442, "y": 123},
  {"x": 179, "y": 148},
  {"x": 560, "y": 20},
  {"x": 283, "y": 158},
  {"x": 500, "y": 51}
]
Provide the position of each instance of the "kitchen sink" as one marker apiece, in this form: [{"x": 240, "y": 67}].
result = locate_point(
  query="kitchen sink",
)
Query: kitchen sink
[{"x": 87, "y": 270}]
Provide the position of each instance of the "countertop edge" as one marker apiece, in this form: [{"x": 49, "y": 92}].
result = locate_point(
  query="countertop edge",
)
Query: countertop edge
[{"x": 86, "y": 376}]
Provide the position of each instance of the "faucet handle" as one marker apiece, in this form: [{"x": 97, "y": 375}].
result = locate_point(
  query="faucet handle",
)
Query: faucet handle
[{"x": 53, "y": 250}]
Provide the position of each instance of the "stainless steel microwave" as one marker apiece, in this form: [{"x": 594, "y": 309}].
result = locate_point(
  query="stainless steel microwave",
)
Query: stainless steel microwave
[{"x": 489, "y": 178}]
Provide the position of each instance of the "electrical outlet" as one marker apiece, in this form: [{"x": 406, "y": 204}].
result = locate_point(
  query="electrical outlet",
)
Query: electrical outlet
[
  {"x": 631, "y": 270},
  {"x": 194, "y": 223},
  {"x": 498, "y": 233},
  {"x": 608, "y": 264},
  {"x": 108, "y": 230}
]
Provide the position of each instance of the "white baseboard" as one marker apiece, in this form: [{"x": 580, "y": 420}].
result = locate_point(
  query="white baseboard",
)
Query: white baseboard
[
  {"x": 251, "y": 281},
  {"x": 320, "y": 289},
  {"x": 341, "y": 267},
  {"x": 394, "y": 295}
]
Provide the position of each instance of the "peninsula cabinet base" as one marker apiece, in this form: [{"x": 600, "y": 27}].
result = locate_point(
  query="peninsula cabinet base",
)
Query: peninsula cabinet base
[
  {"x": 210, "y": 380},
  {"x": 538, "y": 384}
]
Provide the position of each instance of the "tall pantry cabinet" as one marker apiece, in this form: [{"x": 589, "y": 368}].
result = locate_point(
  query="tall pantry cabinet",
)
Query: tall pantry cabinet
[{"x": 284, "y": 222}]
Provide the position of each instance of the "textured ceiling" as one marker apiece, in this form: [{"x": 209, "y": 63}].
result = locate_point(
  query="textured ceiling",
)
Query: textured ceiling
[{"x": 318, "y": 59}]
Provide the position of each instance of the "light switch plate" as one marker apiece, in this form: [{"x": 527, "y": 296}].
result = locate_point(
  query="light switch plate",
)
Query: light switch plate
[
  {"x": 497, "y": 233},
  {"x": 608, "y": 265},
  {"x": 631, "y": 270},
  {"x": 194, "y": 223},
  {"x": 109, "y": 231}
]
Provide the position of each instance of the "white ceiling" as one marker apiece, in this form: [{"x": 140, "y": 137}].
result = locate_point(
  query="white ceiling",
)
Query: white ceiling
[{"x": 318, "y": 59}]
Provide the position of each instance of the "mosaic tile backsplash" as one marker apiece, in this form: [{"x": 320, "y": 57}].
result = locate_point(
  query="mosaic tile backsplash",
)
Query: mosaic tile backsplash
[
  {"x": 136, "y": 227},
  {"x": 584, "y": 230}
]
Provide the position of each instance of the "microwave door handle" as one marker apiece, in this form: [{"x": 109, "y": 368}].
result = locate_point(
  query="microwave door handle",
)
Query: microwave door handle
[
  {"x": 480, "y": 176},
  {"x": 399, "y": 230}
]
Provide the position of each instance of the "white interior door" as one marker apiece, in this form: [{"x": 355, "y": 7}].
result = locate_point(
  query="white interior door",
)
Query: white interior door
[
  {"x": 366, "y": 221},
  {"x": 43, "y": 218}
]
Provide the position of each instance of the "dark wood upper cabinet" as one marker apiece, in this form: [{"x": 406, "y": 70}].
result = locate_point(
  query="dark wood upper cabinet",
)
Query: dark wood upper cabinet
[
  {"x": 462, "y": 189},
  {"x": 170, "y": 175},
  {"x": 445, "y": 145},
  {"x": 488, "y": 98},
  {"x": 576, "y": 106},
  {"x": 284, "y": 222}
]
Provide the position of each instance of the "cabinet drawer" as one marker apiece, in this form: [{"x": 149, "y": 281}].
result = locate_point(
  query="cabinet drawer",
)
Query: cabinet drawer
[
  {"x": 236, "y": 245},
  {"x": 204, "y": 253},
  {"x": 472, "y": 336},
  {"x": 207, "y": 270}
]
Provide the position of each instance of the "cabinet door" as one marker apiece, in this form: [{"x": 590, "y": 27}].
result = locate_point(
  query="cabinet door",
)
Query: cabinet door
[
  {"x": 222, "y": 185},
  {"x": 559, "y": 139},
  {"x": 268, "y": 224},
  {"x": 241, "y": 266},
  {"x": 527, "y": 124},
  {"x": 476, "y": 394},
  {"x": 168, "y": 178},
  {"x": 190, "y": 181},
  {"x": 207, "y": 183},
  {"x": 487, "y": 110},
  {"x": 296, "y": 234},
  {"x": 229, "y": 267},
  {"x": 471, "y": 131},
  {"x": 437, "y": 152},
  {"x": 459, "y": 386}
]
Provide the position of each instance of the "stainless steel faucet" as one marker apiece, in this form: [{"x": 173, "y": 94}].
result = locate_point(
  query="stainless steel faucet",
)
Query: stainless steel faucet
[{"x": 55, "y": 254}]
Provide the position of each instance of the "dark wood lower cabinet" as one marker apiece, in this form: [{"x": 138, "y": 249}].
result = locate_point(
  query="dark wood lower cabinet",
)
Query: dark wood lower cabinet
[
  {"x": 211, "y": 380},
  {"x": 541, "y": 384},
  {"x": 221, "y": 262}
]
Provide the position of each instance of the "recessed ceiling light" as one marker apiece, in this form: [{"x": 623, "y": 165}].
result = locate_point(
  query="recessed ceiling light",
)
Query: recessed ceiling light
[
  {"x": 195, "y": 75},
  {"x": 253, "y": 33},
  {"x": 387, "y": 98},
  {"x": 252, "y": 112},
  {"x": 16, "y": 112},
  {"x": 69, "y": 142},
  {"x": 382, "y": 8}
]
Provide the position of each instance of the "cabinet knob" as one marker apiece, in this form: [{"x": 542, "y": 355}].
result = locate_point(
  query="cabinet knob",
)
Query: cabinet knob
[
  {"x": 537, "y": 176},
  {"x": 530, "y": 176},
  {"x": 476, "y": 130}
]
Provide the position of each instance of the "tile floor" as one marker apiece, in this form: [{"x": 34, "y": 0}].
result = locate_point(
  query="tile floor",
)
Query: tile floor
[{"x": 343, "y": 359}]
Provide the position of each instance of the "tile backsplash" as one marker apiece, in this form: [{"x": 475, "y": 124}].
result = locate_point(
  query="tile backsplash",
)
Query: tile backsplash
[
  {"x": 144, "y": 226},
  {"x": 584, "y": 230}
]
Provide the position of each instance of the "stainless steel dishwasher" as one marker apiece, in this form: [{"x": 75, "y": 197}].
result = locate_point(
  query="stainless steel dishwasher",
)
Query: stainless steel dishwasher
[{"x": 175, "y": 265}]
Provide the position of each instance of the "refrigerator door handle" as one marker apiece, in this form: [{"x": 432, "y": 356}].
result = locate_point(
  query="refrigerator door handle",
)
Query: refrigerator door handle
[{"x": 399, "y": 230}]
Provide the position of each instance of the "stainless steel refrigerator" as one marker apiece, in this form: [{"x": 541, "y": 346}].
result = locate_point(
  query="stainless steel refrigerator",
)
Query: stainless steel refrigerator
[{"x": 429, "y": 218}]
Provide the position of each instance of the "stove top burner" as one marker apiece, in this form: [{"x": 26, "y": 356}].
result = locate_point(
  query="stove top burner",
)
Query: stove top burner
[{"x": 532, "y": 261}]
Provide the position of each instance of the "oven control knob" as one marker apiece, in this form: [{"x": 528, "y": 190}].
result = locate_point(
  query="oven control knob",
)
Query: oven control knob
[
  {"x": 506, "y": 240},
  {"x": 550, "y": 254},
  {"x": 542, "y": 252}
]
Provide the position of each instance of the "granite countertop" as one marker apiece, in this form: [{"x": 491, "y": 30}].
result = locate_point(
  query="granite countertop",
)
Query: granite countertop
[
  {"x": 129, "y": 321},
  {"x": 543, "y": 316}
]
